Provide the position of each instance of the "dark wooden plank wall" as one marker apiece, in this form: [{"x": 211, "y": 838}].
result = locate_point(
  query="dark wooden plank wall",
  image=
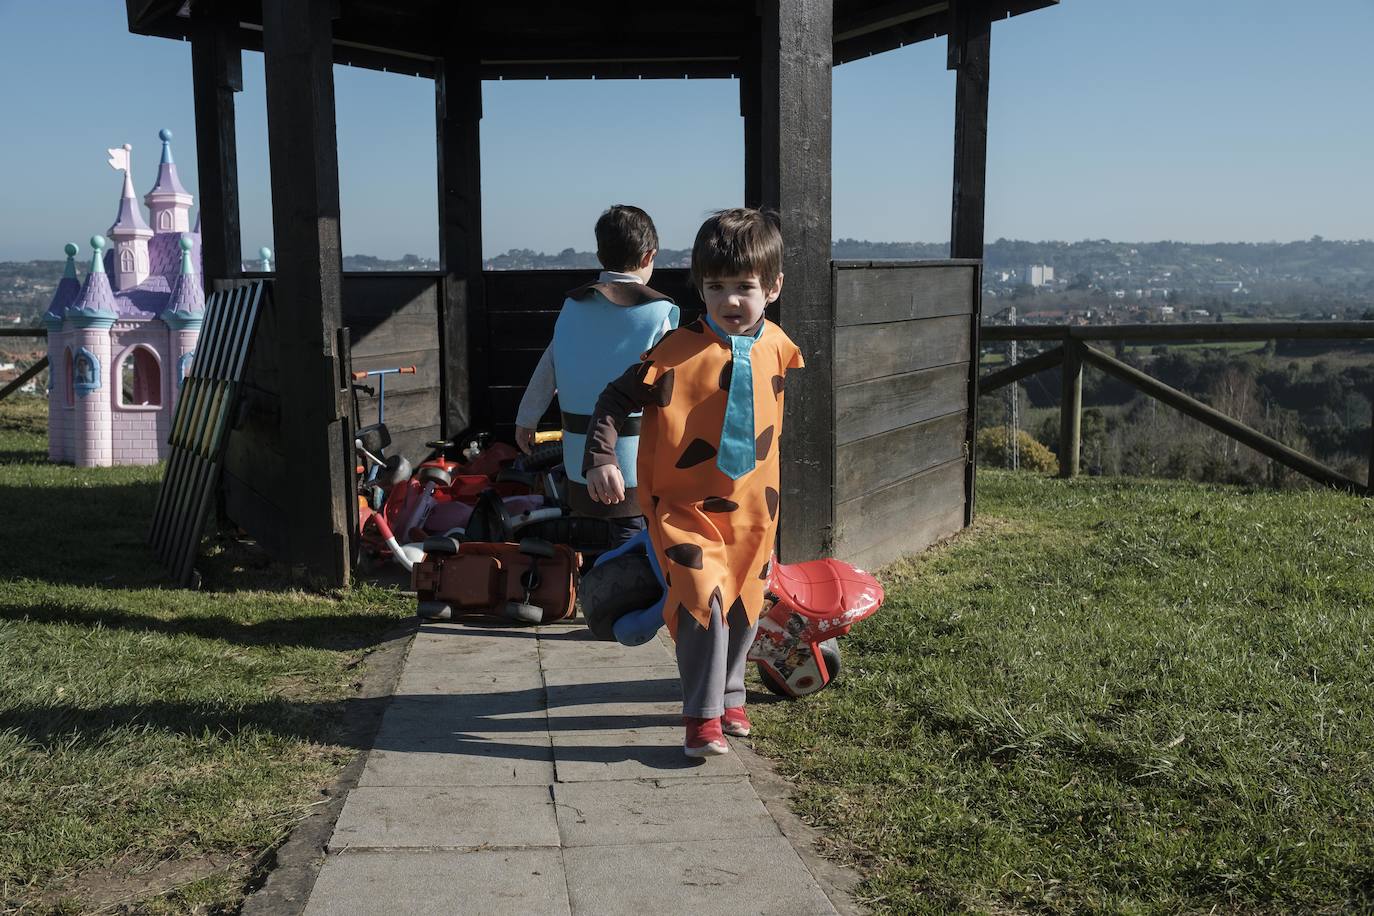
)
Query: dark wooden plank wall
[
  {"x": 255, "y": 482},
  {"x": 903, "y": 354},
  {"x": 522, "y": 307},
  {"x": 393, "y": 320}
]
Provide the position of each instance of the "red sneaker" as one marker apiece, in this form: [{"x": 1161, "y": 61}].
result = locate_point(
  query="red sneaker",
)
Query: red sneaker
[
  {"x": 735, "y": 722},
  {"x": 703, "y": 738}
]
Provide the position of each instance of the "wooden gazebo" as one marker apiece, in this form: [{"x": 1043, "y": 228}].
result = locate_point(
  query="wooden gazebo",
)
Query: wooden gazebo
[{"x": 878, "y": 460}]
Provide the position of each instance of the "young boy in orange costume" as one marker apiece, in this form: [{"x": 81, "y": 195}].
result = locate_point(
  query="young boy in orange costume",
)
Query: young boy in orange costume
[{"x": 712, "y": 396}]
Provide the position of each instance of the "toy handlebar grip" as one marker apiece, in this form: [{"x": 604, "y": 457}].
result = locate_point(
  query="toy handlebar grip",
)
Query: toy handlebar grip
[
  {"x": 359, "y": 376},
  {"x": 406, "y": 370}
]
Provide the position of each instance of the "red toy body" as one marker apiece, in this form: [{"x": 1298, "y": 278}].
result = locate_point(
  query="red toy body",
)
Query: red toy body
[{"x": 815, "y": 602}]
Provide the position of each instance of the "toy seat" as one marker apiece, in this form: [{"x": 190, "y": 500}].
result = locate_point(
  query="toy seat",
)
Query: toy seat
[{"x": 828, "y": 590}]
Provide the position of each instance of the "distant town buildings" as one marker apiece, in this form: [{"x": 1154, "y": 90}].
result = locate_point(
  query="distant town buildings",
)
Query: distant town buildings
[{"x": 1036, "y": 275}]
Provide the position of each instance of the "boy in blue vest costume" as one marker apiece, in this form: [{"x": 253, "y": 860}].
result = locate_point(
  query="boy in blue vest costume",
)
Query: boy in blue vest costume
[{"x": 603, "y": 327}]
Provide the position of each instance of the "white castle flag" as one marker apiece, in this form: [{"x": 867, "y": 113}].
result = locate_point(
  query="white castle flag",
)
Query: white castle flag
[{"x": 119, "y": 158}]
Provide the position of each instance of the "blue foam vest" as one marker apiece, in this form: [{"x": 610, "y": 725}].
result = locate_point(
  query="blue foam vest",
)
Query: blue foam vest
[{"x": 594, "y": 342}]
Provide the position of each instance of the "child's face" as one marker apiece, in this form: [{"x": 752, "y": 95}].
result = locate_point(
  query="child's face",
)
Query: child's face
[{"x": 736, "y": 303}]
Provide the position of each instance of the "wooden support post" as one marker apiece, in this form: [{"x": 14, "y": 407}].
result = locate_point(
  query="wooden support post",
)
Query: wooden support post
[
  {"x": 750, "y": 109},
  {"x": 1070, "y": 408},
  {"x": 970, "y": 38},
  {"x": 298, "y": 62},
  {"x": 216, "y": 74},
  {"x": 970, "y": 35},
  {"x": 795, "y": 73},
  {"x": 466, "y": 397}
]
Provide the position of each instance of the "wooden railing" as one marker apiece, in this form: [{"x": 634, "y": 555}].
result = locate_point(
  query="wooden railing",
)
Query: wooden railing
[
  {"x": 1074, "y": 350},
  {"x": 14, "y": 385}
]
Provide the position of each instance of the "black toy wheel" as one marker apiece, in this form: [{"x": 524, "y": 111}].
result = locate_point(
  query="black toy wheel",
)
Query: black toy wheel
[
  {"x": 520, "y": 612},
  {"x": 439, "y": 476},
  {"x": 830, "y": 654},
  {"x": 543, "y": 457},
  {"x": 613, "y": 589}
]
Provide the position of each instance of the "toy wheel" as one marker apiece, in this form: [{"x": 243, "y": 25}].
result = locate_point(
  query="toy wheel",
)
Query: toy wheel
[
  {"x": 396, "y": 469},
  {"x": 435, "y": 610},
  {"x": 830, "y": 654},
  {"x": 773, "y": 685},
  {"x": 543, "y": 457},
  {"x": 446, "y": 546},
  {"x": 520, "y": 612},
  {"x": 438, "y": 475},
  {"x": 610, "y": 590}
]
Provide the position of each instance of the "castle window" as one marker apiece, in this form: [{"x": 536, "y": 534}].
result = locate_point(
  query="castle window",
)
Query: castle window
[
  {"x": 85, "y": 371},
  {"x": 127, "y": 262},
  {"x": 164, "y": 221},
  {"x": 140, "y": 378}
]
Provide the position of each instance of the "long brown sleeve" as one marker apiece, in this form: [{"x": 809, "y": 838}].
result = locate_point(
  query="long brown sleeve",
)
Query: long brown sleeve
[{"x": 623, "y": 396}]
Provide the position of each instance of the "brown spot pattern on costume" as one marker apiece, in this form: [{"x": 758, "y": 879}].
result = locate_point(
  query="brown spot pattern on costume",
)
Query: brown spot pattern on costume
[
  {"x": 727, "y": 372},
  {"x": 665, "y": 389},
  {"x": 688, "y": 555},
  {"x": 694, "y": 454},
  {"x": 771, "y": 496},
  {"x": 777, "y": 385},
  {"x": 763, "y": 443},
  {"x": 718, "y": 504}
]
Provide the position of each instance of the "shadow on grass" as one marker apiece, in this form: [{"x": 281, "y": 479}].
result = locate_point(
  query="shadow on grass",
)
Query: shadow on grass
[
  {"x": 335, "y": 632},
  {"x": 97, "y": 535},
  {"x": 23, "y": 456}
]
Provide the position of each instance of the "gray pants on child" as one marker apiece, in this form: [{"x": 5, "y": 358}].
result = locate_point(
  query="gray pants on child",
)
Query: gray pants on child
[{"x": 711, "y": 661}]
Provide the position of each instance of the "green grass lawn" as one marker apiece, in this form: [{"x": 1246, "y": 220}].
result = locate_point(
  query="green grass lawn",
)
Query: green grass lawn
[
  {"x": 1111, "y": 696},
  {"x": 155, "y": 742}
]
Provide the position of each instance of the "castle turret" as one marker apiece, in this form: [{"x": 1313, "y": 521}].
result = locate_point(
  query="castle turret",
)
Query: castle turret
[
  {"x": 59, "y": 380},
  {"x": 88, "y": 321},
  {"x": 129, "y": 232},
  {"x": 169, "y": 204},
  {"x": 183, "y": 316}
]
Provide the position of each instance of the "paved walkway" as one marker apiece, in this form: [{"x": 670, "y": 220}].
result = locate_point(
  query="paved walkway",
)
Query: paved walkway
[{"x": 539, "y": 771}]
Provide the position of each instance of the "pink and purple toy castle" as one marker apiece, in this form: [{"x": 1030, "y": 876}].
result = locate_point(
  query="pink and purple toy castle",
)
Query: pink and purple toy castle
[{"x": 120, "y": 344}]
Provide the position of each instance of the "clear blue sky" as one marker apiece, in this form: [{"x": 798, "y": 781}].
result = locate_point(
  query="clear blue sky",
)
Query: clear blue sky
[{"x": 1222, "y": 120}]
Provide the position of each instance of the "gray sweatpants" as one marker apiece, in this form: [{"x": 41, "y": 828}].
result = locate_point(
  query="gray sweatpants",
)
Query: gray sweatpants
[{"x": 711, "y": 662}]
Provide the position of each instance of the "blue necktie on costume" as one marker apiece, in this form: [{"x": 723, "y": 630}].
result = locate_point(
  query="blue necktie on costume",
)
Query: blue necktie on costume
[{"x": 737, "y": 450}]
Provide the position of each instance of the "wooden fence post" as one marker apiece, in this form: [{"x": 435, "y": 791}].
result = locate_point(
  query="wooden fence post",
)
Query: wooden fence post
[{"x": 1070, "y": 407}]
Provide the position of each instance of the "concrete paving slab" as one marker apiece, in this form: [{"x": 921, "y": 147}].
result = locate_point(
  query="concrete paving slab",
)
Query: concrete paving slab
[
  {"x": 475, "y": 650},
  {"x": 580, "y": 649},
  {"x": 660, "y": 811},
  {"x": 395, "y": 817},
  {"x": 477, "y": 761},
  {"x": 755, "y": 875},
  {"x": 611, "y": 715},
  {"x": 432, "y": 675},
  {"x": 497, "y": 882},
  {"x": 633, "y": 753}
]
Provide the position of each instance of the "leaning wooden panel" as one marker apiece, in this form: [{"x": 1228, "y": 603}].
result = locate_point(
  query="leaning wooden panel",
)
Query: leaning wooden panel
[
  {"x": 897, "y": 512},
  {"x": 200, "y": 427},
  {"x": 866, "y": 465},
  {"x": 869, "y": 351},
  {"x": 868, "y": 408},
  {"x": 878, "y": 293}
]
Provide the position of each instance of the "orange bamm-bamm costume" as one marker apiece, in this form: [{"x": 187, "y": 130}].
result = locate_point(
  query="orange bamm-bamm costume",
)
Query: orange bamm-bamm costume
[{"x": 713, "y": 535}]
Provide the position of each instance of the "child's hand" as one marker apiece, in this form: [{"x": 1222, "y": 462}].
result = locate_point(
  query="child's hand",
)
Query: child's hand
[
  {"x": 605, "y": 484},
  {"x": 524, "y": 438}
]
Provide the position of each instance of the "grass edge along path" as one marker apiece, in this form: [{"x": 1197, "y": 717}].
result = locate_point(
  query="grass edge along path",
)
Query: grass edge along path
[
  {"x": 1114, "y": 696},
  {"x": 156, "y": 744}
]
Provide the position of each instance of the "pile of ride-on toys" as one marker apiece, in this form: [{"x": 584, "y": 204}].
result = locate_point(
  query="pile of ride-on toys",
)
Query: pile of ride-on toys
[{"x": 486, "y": 531}]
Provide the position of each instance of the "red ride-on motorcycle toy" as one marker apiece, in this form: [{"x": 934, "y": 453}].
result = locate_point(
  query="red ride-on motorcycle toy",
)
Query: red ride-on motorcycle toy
[{"x": 796, "y": 647}]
